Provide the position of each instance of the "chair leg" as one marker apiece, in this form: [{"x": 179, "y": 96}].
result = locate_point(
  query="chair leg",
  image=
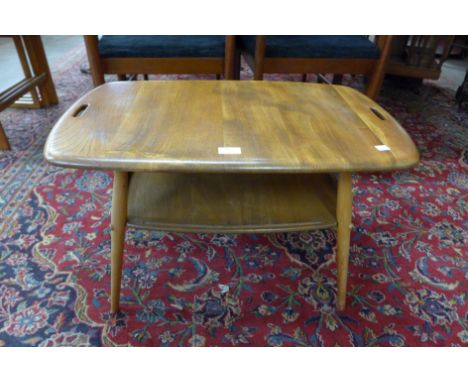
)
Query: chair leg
[
  {"x": 39, "y": 64},
  {"x": 95, "y": 63},
  {"x": 258, "y": 75},
  {"x": 122, "y": 77},
  {"x": 118, "y": 223},
  {"x": 218, "y": 76},
  {"x": 145, "y": 77},
  {"x": 304, "y": 77},
  {"x": 374, "y": 86},
  {"x": 237, "y": 65},
  {"x": 229, "y": 58},
  {"x": 344, "y": 208},
  {"x": 4, "y": 144},
  {"x": 378, "y": 74},
  {"x": 259, "y": 59}
]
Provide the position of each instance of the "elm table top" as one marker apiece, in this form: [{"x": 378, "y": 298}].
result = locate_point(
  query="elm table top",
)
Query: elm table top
[{"x": 229, "y": 126}]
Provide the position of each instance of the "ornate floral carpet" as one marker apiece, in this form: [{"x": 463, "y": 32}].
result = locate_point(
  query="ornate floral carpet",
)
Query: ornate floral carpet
[{"x": 408, "y": 278}]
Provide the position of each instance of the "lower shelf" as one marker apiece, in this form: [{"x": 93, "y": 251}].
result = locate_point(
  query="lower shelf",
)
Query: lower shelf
[{"x": 231, "y": 202}]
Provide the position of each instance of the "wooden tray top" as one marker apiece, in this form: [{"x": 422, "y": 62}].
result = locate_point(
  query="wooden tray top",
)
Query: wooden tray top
[{"x": 229, "y": 126}]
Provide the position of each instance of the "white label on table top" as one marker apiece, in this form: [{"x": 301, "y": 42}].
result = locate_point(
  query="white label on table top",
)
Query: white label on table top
[
  {"x": 382, "y": 147},
  {"x": 229, "y": 150}
]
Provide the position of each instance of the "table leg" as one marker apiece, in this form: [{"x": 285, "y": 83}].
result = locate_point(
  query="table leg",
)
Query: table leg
[
  {"x": 4, "y": 144},
  {"x": 118, "y": 223},
  {"x": 344, "y": 206}
]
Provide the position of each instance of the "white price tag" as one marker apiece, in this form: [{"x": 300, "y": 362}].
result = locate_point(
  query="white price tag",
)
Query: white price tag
[
  {"x": 382, "y": 148},
  {"x": 229, "y": 150}
]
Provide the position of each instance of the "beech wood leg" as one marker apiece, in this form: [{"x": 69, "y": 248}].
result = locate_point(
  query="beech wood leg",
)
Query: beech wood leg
[
  {"x": 118, "y": 223},
  {"x": 344, "y": 206},
  {"x": 4, "y": 144}
]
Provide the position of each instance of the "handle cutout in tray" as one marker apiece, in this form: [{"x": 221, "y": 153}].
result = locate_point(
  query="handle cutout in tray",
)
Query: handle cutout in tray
[
  {"x": 81, "y": 110},
  {"x": 377, "y": 113}
]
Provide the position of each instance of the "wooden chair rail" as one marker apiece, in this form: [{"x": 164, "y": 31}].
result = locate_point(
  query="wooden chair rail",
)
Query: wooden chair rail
[
  {"x": 319, "y": 65},
  {"x": 182, "y": 65},
  {"x": 19, "y": 89}
]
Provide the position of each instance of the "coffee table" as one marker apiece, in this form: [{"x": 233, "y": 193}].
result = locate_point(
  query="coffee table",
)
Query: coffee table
[{"x": 229, "y": 156}]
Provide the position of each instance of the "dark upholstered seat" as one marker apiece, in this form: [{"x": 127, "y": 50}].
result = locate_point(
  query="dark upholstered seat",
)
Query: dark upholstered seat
[
  {"x": 313, "y": 46},
  {"x": 161, "y": 46}
]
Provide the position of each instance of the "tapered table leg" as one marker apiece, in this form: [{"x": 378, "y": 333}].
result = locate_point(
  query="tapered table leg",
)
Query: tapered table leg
[
  {"x": 118, "y": 223},
  {"x": 344, "y": 206}
]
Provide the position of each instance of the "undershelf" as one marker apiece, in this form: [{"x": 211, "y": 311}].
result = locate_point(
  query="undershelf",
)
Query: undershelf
[{"x": 231, "y": 202}]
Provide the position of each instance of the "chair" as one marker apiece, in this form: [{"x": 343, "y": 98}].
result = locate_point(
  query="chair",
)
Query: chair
[
  {"x": 317, "y": 54},
  {"x": 37, "y": 80},
  {"x": 419, "y": 56},
  {"x": 123, "y": 55}
]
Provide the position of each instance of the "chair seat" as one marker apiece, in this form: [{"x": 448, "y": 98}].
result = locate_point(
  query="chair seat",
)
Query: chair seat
[
  {"x": 161, "y": 46},
  {"x": 313, "y": 46}
]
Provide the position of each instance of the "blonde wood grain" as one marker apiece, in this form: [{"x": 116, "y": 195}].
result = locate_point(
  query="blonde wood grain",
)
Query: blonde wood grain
[
  {"x": 344, "y": 208},
  {"x": 118, "y": 223},
  {"x": 179, "y": 126},
  {"x": 231, "y": 202}
]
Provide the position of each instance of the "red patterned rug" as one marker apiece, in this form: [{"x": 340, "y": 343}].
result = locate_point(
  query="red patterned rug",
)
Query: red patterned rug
[{"x": 408, "y": 267}]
